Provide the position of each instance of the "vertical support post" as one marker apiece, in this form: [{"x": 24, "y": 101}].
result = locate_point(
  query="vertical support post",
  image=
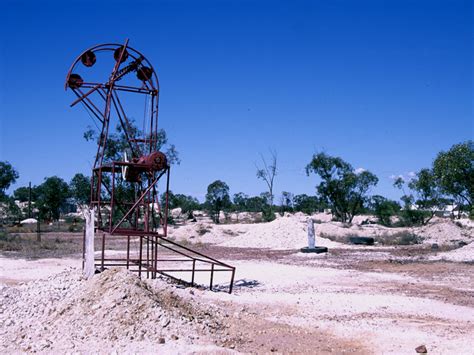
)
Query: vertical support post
[
  {"x": 152, "y": 258},
  {"x": 92, "y": 199},
  {"x": 212, "y": 276},
  {"x": 128, "y": 252},
  {"x": 146, "y": 205},
  {"x": 99, "y": 188},
  {"x": 148, "y": 257},
  {"x": 152, "y": 217},
  {"x": 165, "y": 225},
  {"x": 103, "y": 253},
  {"x": 155, "y": 103},
  {"x": 140, "y": 257},
  {"x": 156, "y": 256},
  {"x": 136, "y": 212},
  {"x": 38, "y": 230},
  {"x": 231, "y": 286},
  {"x": 192, "y": 275},
  {"x": 146, "y": 227},
  {"x": 153, "y": 137},
  {"x": 111, "y": 220}
]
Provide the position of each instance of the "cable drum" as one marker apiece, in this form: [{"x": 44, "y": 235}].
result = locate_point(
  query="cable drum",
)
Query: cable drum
[{"x": 156, "y": 161}]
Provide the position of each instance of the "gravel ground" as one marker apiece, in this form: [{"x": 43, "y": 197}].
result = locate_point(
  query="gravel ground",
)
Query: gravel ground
[
  {"x": 354, "y": 299},
  {"x": 113, "y": 310}
]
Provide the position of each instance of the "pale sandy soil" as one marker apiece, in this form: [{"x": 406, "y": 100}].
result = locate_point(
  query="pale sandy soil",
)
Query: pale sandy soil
[
  {"x": 372, "y": 309},
  {"x": 368, "y": 300},
  {"x": 14, "y": 271},
  {"x": 290, "y": 232}
]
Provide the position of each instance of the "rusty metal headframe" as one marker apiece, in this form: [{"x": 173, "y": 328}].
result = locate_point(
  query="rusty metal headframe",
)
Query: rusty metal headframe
[{"x": 125, "y": 192}]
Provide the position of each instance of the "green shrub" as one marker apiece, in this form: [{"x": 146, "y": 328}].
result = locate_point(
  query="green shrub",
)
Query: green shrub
[
  {"x": 268, "y": 215},
  {"x": 9, "y": 242},
  {"x": 400, "y": 238},
  {"x": 409, "y": 218},
  {"x": 340, "y": 239},
  {"x": 384, "y": 209}
]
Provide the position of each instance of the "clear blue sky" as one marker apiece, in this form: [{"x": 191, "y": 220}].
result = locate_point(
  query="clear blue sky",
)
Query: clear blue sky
[{"x": 383, "y": 84}]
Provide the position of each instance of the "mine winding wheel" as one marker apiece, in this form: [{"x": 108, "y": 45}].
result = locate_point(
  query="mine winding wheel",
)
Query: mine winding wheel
[{"x": 124, "y": 187}]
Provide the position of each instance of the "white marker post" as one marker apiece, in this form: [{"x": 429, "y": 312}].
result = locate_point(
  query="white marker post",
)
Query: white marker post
[
  {"x": 311, "y": 238},
  {"x": 312, "y": 248},
  {"x": 89, "y": 268}
]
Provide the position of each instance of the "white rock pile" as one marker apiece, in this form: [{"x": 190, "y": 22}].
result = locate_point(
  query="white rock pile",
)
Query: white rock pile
[
  {"x": 464, "y": 254},
  {"x": 113, "y": 310},
  {"x": 282, "y": 233}
]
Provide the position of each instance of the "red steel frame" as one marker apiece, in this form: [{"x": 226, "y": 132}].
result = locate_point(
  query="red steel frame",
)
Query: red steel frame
[{"x": 137, "y": 217}]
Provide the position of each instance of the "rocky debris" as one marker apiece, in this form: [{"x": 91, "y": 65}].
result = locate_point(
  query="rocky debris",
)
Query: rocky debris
[
  {"x": 201, "y": 216},
  {"x": 246, "y": 283},
  {"x": 222, "y": 217},
  {"x": 245, "y": 217},
  {"x": 421, "y": 349},
  {"x": 463, "y": 254},
  {"x": 198, "y": 214},
  {"x": 176, "y": 212},
  {"x": 466, "y": 223},
  {"x": 444, "y": 231},
  {"x": 206, "y": 232},
  {"x": 242, "y": 283},
  {"x": 65, "y": 312}
]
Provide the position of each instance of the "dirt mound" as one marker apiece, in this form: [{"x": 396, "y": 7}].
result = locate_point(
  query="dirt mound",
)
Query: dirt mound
[
  {"x": 445, "y": 231},
  {"x": 114, "y": 307},
  {"x": 439, "y": 231},
  {"x": 207, "y": 232},
  {"x": 283, "y": 233},
  {"x": 290, "y": 232},
  {"x": 122, "y": 304},
  {"x": 464, "y": 254}
]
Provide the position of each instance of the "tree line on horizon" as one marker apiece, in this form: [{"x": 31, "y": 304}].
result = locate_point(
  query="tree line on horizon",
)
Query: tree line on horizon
[
  {"x": 342, "y": 189},
  {"x": 345, "y": 190}
]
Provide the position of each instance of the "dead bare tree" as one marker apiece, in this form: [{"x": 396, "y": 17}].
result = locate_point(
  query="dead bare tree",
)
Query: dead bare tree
[{"x": 267, "y": 173}]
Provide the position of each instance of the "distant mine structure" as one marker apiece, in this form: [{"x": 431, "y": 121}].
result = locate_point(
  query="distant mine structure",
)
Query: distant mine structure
[{"x": 130, "y": 173}]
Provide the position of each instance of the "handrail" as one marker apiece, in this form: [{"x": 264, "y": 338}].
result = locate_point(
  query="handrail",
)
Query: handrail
[{"x": 146, "y": 265}]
